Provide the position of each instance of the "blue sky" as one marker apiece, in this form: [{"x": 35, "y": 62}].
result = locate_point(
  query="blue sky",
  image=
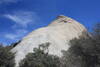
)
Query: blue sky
[{"x": 19, "y": 17}]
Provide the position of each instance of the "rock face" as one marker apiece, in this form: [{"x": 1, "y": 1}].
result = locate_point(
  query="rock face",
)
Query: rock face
[{"x": 58, "y": 33}]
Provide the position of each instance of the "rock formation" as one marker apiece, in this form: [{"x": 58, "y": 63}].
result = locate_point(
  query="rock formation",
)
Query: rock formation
[{"x": 58, "y": 33}]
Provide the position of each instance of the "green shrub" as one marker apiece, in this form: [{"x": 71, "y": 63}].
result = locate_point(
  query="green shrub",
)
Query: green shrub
[
  {"x": 40, "y": 58},
  {"x": 6, "y": 57}
]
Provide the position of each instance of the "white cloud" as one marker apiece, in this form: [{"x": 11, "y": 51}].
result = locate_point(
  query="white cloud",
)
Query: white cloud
[
  {"x": 22, "y": 18},
  {"x": 15, "y": 36}
]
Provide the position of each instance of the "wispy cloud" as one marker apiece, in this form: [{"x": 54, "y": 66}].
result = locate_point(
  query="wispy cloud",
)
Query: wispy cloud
[
  {"x": 17, "y": 35},
  {"x": 22, "y": 18}
]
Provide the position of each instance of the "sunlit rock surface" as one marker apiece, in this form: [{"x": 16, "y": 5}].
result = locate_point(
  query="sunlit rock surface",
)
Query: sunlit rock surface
[{"x": 58, "y": 33}]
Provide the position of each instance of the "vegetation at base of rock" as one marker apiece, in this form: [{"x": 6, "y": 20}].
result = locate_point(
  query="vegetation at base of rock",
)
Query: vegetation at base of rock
[
  {"x": 40, "y": 58},
  {"x": 84, "y": 52},
  {"x": 6, "y": 57}
]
